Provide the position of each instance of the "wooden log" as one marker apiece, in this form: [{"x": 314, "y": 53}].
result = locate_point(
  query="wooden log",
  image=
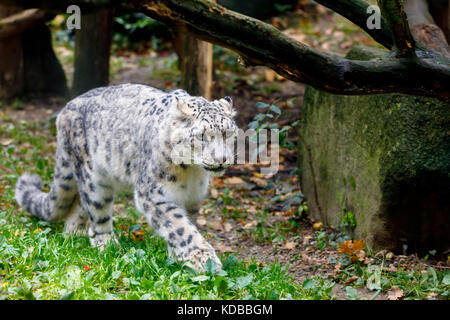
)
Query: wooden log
[
  {"x": 196, "y": 65},
  {"x": 21, "y": 21},
  {"x": 11, "y": 62}
]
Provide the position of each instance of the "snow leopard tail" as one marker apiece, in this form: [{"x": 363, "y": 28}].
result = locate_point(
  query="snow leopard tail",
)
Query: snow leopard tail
[{"x": 54, "y": 204}]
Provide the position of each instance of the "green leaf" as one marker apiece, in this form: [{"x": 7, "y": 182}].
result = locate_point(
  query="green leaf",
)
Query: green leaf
[
  {"x": 446, "y": 279},
  {"x": 211, "y": 266},
  {"x": 200, "y": 278},
  {"x": 230, "y": 263},
  {"x": 275, "y": 109},
  {"x": 285, "y": 128},
  {"x": 244, "y": 281},
  {"x": 261, "y": 105},
  {"x": 68, "y": 296},
  {"x": 116, "y": 274},
  {"x": 282, "y": 7},
  {"x": 40, "y": 164},
  {"x": 309, "y": 284},
  {"x": 352, "y": 293}
]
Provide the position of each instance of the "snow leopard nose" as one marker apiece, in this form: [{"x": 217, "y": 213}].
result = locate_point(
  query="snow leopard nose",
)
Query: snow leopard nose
[{"x": 220, "y": 158}]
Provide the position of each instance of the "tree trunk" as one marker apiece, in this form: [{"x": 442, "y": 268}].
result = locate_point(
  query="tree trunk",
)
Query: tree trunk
[
  {"x": 11, "y": 62},
  {"x": 92, "y": 51},
  {"x": 440, "y": 10},
  {"x": 424, "y": 28},
  {"x": 196, "y": 65},
  {"x": 42, "y": 71}
]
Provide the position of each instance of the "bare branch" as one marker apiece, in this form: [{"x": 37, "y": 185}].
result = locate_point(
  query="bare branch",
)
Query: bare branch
[{"x": 356, "y": 12}]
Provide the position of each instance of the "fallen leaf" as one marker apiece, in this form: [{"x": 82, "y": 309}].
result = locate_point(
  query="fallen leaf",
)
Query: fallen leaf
[
  {"x": 361, "y": 255},
  {"x": 270, "y": 75},
  {"x": 395, "y": 293},
  {"x": 389, "y": 256},
  {"x": 222, "y": 247},
  {"x": 259, "y": 175},
  {"x": 214, "y": 193},
  {"x": 289, "y": 245},
  {"x": 317, "y": 225},
  {"x": 6, "y": 142},
  {"x": 352, "y": 279},
  {"x": 250, "y": 224},
  {"x": 351, "y": 247},
  {"x": 258, "y": 181},
  {"x": 217, "y": 182},
  {"x": 201, "y": 221},
  {"x": 234, "y": 180}
]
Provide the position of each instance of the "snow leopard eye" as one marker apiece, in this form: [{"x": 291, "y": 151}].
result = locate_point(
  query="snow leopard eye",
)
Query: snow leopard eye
[{"x": 199, "y": 136}]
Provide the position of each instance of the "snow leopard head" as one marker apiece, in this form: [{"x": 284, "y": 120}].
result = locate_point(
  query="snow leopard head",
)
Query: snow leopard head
[{"x": 206, "y": 133}]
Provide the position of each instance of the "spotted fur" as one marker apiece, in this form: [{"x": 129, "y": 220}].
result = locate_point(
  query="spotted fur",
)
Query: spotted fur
[{"x": 122, "y": 137}]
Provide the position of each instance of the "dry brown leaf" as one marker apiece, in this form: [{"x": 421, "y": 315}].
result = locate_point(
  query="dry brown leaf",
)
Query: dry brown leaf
[
  {"x": 317, "y": 225},
  {"x": 361, "y": 255},
  {"x": 227, "y": 227},
  {"x": 258, "y": 181},
  {"x": 201, "y": 221},
  {"x": 350, "y": 247},
  {"x": 352, "y": 279},
  {"x": 389, "y": 256},
  {"x": 305, "y": 258},
  {"x": 220, "y": 226},
  {"x": 259, "y": 175},
  {"x": 289, "y": 245},
  {"x": 222, "y": 247},
  {"x": 250, "y": 224},
  {"x": 251, "y": 209},
  {"x": 217, "y": 182},
  {"x": 5, "y": 142},
  {"x": 234, "y": 180},
  {"x": 395, "y": 293},
  {"x": 270, "y": 75},
  {"x": 214, "y": 193}
]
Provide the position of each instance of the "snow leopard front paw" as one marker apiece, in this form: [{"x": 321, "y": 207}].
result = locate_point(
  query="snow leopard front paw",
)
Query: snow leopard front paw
[
  {"x": 198, "y": 257},
  {"x": 101, "y": 241}
]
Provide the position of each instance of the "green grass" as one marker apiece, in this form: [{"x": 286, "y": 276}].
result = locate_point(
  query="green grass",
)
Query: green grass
[{"x": 38, "y": 262}]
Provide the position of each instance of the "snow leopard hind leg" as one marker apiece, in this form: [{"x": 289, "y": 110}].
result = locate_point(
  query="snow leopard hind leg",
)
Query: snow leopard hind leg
[{"x": 96, "y": 201}]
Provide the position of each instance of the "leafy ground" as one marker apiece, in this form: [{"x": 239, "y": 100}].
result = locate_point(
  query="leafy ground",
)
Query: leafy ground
[{"x": 270, "y": 247}]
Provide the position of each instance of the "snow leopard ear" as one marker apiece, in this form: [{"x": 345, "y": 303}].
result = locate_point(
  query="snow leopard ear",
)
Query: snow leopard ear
[
  {"x": 227, "y": 105},
  {"x": 184, "y": 108}
]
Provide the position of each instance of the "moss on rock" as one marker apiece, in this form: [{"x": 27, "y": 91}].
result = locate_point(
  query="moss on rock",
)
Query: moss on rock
[{"x": 386, "y": 158}]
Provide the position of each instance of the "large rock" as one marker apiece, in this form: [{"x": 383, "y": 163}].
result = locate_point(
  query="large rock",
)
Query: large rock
[{"x": 378, "y": 165}]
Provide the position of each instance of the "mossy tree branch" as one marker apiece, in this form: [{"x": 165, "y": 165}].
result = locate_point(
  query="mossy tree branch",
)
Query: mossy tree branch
[{"x": 395, "y": 16}]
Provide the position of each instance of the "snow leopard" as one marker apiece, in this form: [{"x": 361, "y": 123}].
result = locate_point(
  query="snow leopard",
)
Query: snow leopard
[{"x": 117, "y": 138}]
